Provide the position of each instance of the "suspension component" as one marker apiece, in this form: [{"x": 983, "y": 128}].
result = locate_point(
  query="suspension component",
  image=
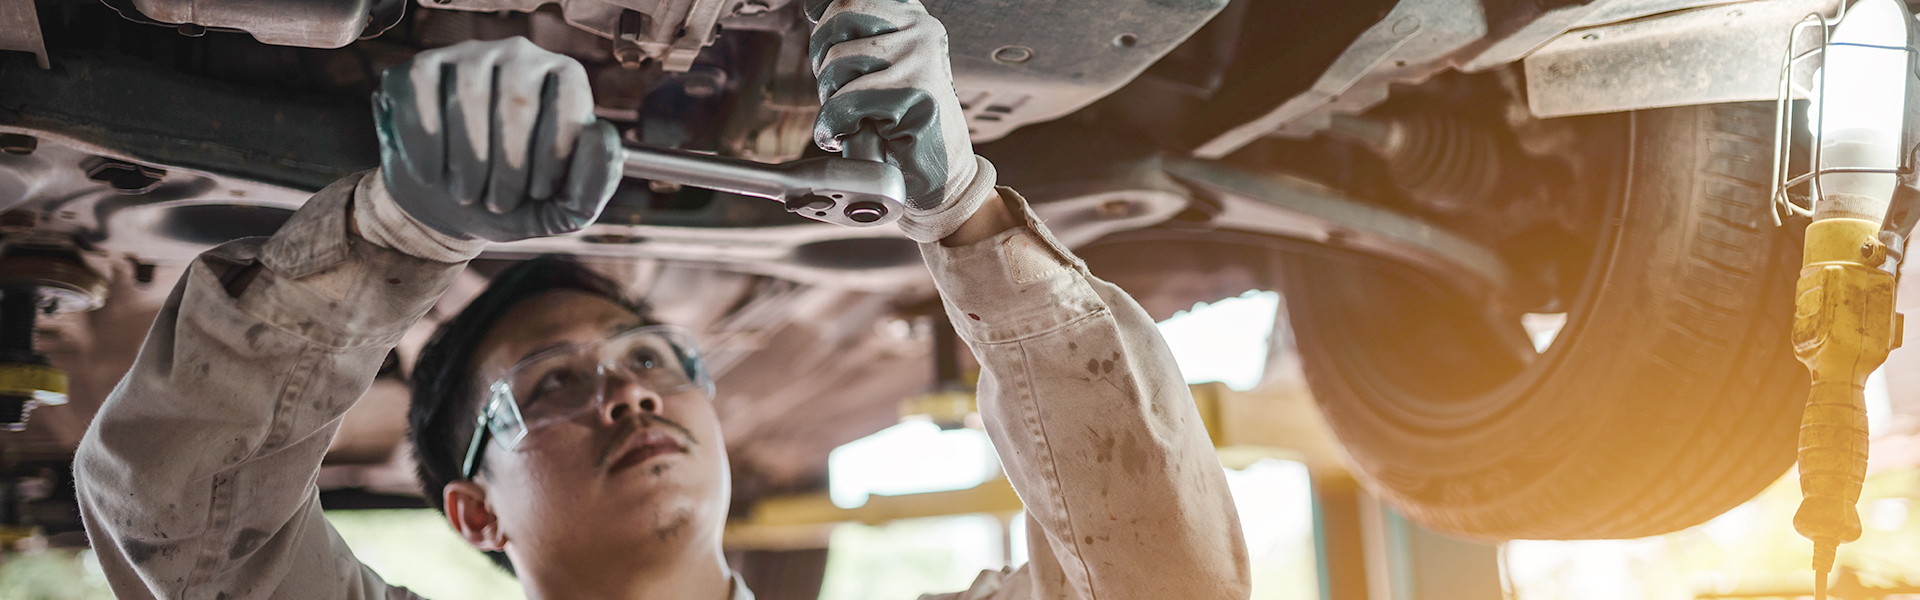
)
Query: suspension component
[
  {"x": 26, "y": 379},
  {"x": 35, "y": 282},
  {"x": 1441, "y": 162},
  {"x": 1844, "y": 326}
]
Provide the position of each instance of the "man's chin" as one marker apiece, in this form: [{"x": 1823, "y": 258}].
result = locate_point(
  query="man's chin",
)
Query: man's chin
[
  {"x": 643, "y": 492},
  {"x": 653, "y": 528},
  {"x": 634, "y": 537}
]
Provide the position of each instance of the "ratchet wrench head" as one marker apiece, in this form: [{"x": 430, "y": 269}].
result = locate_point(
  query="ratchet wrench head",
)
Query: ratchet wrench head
[
  {"x": 845, "y": 191},
  {"x": 856, "y": 190}
]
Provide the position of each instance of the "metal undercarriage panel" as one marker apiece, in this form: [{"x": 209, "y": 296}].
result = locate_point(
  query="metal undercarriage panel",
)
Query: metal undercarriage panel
[
  {"x": 1419, "y": 39},
  {"x": 815, "y": 331}
]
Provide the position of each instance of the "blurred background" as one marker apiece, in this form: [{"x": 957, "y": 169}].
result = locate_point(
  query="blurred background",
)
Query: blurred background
[{"x": 1526, "y": 252}]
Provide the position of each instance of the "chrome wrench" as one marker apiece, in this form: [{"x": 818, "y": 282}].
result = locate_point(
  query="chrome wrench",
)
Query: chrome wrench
[{"x": 856, "y": 189}]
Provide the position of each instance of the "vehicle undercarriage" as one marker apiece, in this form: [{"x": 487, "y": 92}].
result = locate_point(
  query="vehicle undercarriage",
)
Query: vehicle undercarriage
[{"x": 1424, "y": 179}]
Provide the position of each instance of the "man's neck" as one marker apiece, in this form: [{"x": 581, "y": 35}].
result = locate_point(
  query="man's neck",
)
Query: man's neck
[{"x": 692, "y": 576}]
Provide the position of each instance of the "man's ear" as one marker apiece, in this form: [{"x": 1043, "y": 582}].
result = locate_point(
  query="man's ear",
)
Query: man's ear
[{"x": 468, "y": 513}]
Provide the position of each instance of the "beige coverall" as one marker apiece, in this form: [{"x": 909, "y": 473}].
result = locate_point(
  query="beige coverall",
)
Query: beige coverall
[{"x": 196, "y": 480}]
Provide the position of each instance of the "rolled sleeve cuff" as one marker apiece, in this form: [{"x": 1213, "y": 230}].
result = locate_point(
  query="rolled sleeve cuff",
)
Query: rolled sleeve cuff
[
  {"x": 933, "y": 225},
  {"x": 1012, "y": 286},
  {"x": 382, "y": 222}
]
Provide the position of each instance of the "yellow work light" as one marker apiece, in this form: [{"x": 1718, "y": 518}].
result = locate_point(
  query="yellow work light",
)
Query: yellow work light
[{"x": 1859, "y": 191}]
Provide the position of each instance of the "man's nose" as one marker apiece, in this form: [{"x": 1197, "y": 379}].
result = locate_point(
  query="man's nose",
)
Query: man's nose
[{"x": 625, "y": 398}]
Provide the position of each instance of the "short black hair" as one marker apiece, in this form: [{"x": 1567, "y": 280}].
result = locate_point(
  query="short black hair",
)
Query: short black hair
[{"x": 441, "y": 415}]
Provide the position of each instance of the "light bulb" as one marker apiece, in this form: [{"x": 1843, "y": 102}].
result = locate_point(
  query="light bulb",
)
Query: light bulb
[{"x": 1862, "y": 108}]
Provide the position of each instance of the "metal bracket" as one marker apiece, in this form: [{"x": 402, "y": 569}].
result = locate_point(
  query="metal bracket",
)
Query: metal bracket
[
  {"x": 1298, "y": 210},
  {"x": 1405, "y": 47},
  {"x": 20, "y": 30},
  {"x": 1728, "y": 53}
]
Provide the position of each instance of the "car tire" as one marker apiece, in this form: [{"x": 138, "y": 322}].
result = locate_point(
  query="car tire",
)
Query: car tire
[{"x": 1669, "y": 396}]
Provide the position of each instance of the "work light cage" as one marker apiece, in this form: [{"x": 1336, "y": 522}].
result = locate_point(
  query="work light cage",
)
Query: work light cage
[{"x": 1803, "y": 79}]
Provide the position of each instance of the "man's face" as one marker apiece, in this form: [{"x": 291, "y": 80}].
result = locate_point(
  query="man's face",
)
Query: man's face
[{"x": 594, "y": 488}]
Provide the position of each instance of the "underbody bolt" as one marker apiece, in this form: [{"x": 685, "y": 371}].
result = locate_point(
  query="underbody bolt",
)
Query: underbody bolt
[
  {"x": 703, "y": 82},
  {"x": 1013, "y": 55},
  {"x": 629, "y": 56}
]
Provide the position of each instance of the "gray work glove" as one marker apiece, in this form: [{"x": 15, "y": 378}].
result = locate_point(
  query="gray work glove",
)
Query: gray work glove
[
  {"x": 883, "y": 63},
  {"x": 495, "y": 141}
]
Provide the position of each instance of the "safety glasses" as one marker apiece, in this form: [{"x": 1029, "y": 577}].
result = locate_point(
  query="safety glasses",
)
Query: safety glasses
[{"x": 564, "y": 383}]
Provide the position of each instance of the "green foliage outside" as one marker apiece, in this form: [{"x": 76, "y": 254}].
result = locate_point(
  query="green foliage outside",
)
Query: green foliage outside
[
  {"x": 905, "y": 559},
  {"x": 417, "y": 550},
  {"x": 53, "y": 575}
]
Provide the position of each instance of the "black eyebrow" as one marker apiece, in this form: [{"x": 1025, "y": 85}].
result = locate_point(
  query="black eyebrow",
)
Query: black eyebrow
[
  {"x": 614, "y": 331},
  {"x": 619, "y": 328},
  {"x": 542, "y": 350}
]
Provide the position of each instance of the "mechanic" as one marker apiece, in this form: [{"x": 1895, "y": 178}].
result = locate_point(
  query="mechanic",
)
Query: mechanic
[{"x": 555, "y": 423}]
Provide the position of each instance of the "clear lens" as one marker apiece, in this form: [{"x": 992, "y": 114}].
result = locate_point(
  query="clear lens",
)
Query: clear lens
[
  {"x": 503, "y": 418},
  {"x": 566, "y": 382}
]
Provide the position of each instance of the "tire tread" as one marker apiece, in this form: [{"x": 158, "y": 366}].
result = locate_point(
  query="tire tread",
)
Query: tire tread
[{"x": 1699, "y": 416}]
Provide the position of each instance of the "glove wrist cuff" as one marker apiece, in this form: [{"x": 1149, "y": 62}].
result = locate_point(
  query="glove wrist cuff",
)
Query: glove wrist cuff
[
  {"x": 380, "y": 220},
  {"x": 928, "y": 226}
]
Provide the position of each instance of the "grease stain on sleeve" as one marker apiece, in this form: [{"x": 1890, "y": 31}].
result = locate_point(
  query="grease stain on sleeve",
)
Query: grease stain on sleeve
[
  {"x": 249, "y": 540},
  {"x": 238, "y": 453},
  {"x": 1103, "y": 446},
  {"x": 1133, "y": 457},
  {"x": 254, "y": 332},
  {"x": 140, "y": 552}
]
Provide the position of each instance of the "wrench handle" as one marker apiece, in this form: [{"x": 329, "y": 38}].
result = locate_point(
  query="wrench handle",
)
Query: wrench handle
[{"x": 705, "y": 171}]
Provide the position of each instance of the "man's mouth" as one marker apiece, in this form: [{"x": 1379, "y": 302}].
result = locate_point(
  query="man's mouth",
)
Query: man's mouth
[{"x": 644, "y": 445}]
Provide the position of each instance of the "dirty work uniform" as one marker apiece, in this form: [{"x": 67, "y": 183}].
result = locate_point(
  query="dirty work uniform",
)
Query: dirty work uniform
[{"x": 196, "y": 480}]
